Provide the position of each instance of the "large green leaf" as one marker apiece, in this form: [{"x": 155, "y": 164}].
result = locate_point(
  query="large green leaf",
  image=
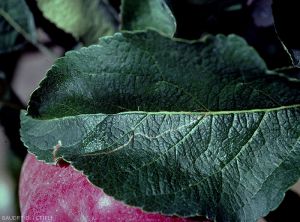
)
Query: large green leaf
[
  {"x": 286, "y": 24},
  {"x": 186, "y": 128},
  {"x": 86, "y": 20},
  {"x": 16, "y": 22},
  {"x": 140, "y": 15}
]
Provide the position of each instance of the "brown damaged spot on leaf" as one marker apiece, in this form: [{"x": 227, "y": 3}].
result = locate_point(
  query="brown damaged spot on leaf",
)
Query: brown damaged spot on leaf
[
  {"x": 58, "y": 160},
  {"x": 62, "y": 163}
]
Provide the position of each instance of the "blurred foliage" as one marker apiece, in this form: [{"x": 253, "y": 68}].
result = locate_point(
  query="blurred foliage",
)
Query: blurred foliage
[{"x": 16, "y": 25}]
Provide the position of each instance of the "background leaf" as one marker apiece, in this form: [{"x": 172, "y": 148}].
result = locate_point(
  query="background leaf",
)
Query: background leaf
[
  {"x": 291, "y": 72},
  {"x": 262, "y": 13},
  {"x": 10, "y": 107},
  {"x": 16, "y": 22},
  {"x": 140, "y": 15},
  {"x": 285, "y": 22},
  {"x": 85, "y": 20},
  {"x": 220, "y": 141}
]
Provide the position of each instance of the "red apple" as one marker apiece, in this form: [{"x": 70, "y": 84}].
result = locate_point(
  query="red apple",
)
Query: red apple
[{"x": 60, "y": 193}]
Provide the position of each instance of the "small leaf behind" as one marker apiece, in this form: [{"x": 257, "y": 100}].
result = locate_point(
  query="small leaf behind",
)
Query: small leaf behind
[
  {"x": 85, "y": 20},
  {"x": 140, "y": 15}
]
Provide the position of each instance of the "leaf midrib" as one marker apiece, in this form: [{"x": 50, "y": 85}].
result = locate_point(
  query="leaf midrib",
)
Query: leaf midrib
[
  {"x": 207, "y": 113},
  {"x": 213, "y": 113}
]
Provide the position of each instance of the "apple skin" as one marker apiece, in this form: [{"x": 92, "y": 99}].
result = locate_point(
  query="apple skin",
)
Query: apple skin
[{"x": 59, "y": 193}]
